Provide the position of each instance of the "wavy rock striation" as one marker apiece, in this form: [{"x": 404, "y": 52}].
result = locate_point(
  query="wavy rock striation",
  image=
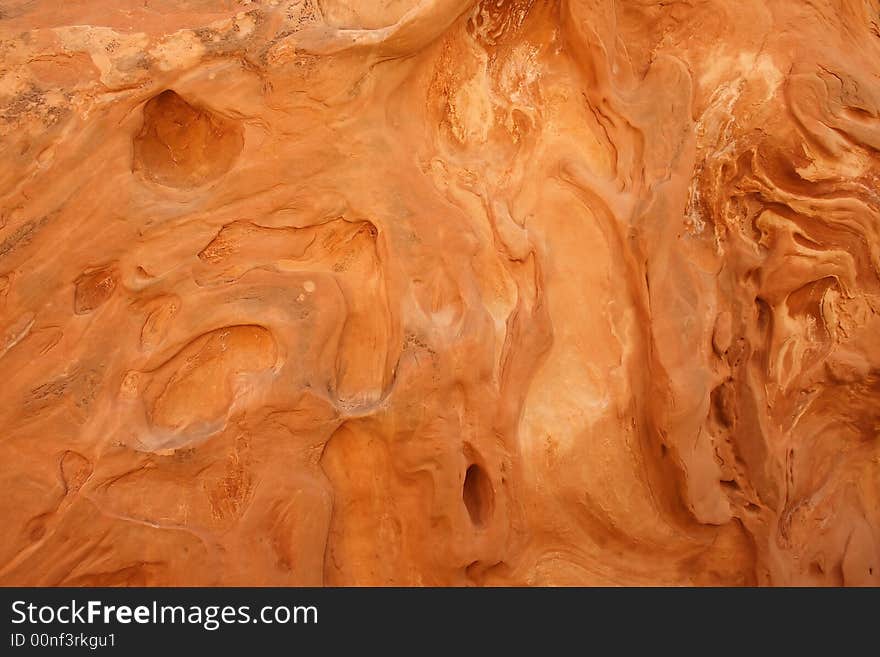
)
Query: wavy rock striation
[{"x": 440, "y": 292}]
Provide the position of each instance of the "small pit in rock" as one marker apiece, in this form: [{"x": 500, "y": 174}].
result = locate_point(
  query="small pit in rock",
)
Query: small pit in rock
[{"x": 477, "y": 495}]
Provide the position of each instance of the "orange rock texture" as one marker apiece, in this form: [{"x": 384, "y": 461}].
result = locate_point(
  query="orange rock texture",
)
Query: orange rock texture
[{"x": 440, "y": 292}]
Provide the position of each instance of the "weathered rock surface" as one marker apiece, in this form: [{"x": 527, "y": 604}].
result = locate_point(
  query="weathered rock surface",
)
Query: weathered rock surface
[{"x": 319, "y": 292}]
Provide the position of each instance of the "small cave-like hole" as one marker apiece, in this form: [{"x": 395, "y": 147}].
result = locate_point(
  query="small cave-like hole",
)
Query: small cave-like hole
[
  {"x": 723, "y": 404},
  {"x": 184, "y": 145},
  {"x": 477, "y": 495}
]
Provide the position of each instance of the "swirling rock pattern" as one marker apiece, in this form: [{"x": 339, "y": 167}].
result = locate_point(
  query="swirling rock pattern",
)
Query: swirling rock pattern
[{"x": 440, "y": 292}]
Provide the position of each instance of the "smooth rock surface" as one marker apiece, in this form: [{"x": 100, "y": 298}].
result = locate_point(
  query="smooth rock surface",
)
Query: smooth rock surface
[{"x": 440, "y": 292}]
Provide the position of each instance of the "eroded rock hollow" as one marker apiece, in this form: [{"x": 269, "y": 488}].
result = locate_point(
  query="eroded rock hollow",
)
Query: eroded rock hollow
[{"x": 440, "y": 292}]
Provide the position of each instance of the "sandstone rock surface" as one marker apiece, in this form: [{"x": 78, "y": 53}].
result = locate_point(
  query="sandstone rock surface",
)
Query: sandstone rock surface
[{"x": 440, "y": 292}]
